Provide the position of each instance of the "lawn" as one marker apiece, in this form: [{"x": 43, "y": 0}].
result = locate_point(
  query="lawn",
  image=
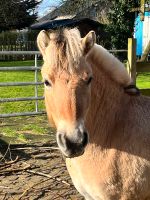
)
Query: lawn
[
  {"x": 19, "y": 63},
  {"x": 23, "y": 129},
  {"x": 19, "y": 91},
  {"x": 143, "y": 82}
]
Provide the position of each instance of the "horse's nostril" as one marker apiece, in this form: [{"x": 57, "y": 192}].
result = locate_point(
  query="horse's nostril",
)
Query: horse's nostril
[
  {"x": 85, "y": 139},
  {"x": 72, "y": 146},
  {"x": 61, "y": 139}
]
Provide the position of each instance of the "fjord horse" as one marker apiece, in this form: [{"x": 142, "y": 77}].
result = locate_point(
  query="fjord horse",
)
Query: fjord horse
[{"x": 102, "y": 122}]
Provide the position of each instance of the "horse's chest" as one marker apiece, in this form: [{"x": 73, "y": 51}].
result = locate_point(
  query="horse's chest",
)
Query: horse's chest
[
  {"x": 102, "y": 182},
  {"x": 86, "y": 189},
  {"x": 85, "y": 183}
]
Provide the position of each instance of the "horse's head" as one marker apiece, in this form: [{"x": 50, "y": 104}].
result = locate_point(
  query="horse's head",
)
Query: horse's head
[{"x": 67, "y": 77}]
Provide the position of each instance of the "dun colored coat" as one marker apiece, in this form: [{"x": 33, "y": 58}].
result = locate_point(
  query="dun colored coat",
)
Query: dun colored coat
[{"x": 102, "y": 122}]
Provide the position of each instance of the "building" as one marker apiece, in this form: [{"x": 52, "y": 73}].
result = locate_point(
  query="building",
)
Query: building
[
  {"x": 91, "y": 17},
  {"x": 142, "y": 32}
]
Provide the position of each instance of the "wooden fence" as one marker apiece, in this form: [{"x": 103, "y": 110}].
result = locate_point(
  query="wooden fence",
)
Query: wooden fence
[
  {"x": 17, "y": 46},
  {"x": 135, "y": 66}
]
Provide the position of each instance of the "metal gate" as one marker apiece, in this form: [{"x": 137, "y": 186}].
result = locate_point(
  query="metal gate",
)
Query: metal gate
[
  {"x": 35, "y": 83},
  {"x": 34, "y": 68}
]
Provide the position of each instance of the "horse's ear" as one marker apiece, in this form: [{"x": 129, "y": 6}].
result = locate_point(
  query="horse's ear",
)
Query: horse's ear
[
  {"x": 43, "y": 41},
  {"x": 88, "y": 42}
]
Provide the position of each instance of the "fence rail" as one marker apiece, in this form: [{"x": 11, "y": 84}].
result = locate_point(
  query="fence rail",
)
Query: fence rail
[
  {"x": 22, "y": 114},
  {"x": 34, "y": 68},
  {"x": 20, "y": 84},
  {"x": 10, "y": 53},
  {"x": 19, "y": 68},
  {"x": 20, "y": 99}
]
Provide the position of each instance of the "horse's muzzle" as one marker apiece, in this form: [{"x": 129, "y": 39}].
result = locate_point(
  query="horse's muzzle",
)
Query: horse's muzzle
[{"x": 72, "y": 145}]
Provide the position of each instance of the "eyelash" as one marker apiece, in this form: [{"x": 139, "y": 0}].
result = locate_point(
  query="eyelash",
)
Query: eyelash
[
  {"x": 47, "y": 83},
  {"x": 89, "y": 81}
]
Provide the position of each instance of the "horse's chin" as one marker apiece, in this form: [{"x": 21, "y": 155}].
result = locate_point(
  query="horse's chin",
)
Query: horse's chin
[
  {"x": 68, "y": 154},
  {"x": 75, "y": 155}
]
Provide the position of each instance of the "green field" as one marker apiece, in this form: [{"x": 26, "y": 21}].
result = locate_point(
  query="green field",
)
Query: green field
[
  {"x": 143, "y": 82},
  {"x": 23, "y": 129},
  {"x": 19, "y": 91}
]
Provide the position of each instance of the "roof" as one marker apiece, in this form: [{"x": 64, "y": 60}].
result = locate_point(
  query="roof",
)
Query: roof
[{"x": 55, "y": 24}]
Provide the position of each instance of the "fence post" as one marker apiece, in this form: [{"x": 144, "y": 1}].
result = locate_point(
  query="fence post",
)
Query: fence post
[
  {"x": 132, "y": 59},
  {"x": 36, "y": 86}
]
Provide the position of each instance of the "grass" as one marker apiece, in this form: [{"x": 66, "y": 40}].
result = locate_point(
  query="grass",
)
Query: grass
[
  {"x": 19, "y": 63},
  {"x": 143, "y": 80},
  {"x": 24, "y": 129},
  {"x": 19, "y": 91}
]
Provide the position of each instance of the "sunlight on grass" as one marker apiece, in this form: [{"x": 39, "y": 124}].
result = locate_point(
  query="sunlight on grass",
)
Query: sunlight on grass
[
  {"x": 19, "y": 63},
  {"x": 26, "y": 129},
  {"x": 29, "y": 128},
  {"x": 9, "y": 132},
  {"x": 35, "y": 128},
  {"x": 19, "y": 91},
  {"x": 143, "y": 80}
]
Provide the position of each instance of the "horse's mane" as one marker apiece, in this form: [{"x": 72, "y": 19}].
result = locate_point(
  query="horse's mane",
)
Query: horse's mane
[
  {"x": 66, "y": 50},
  {"x": 109, "y": 64}
]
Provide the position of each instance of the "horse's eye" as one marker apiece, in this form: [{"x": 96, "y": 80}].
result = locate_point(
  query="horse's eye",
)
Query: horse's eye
[
  {"x": 47, "y": 83},
  {"x": 89, "y": 81}
]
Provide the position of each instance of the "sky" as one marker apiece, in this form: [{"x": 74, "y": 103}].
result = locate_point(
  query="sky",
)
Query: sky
[{"x": 46, "y": 5}]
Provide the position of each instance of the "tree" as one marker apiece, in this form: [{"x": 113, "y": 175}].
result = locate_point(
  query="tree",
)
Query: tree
[
  {"x": 119, "y": 16},
  {"x": 17, "y": 14},
  {"x": 121, "y": 22},
  {"x": 75, "y": 6}
]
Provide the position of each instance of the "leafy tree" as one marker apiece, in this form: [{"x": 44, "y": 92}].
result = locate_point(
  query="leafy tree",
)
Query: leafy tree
[
  {"x": 75, "y": 6},
  {"x": 121, "y": 22},
  {"x": 120, "y": 18},
  {"x": 17, "y": 14}
]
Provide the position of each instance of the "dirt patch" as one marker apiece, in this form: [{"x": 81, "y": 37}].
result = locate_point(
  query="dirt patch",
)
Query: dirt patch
[
  {"x": 31, "y": 166},
  {"x": 34, "y": 171},
  {"x": 26, "y": 129}
]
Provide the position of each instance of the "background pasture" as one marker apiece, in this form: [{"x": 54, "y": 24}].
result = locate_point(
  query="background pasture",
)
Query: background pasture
[
  {"x": 143, "y": 82},
  {"x": 32, "y": 125}
]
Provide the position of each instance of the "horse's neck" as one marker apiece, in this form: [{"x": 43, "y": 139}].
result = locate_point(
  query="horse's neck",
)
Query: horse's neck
[{"x": 107, "y": 99}]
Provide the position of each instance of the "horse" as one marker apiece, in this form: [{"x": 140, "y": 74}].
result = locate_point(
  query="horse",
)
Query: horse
[{"x": 102, "y": 121}]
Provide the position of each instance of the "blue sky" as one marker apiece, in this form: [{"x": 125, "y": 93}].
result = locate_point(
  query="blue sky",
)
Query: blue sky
[{"x": 46, "y": 5}]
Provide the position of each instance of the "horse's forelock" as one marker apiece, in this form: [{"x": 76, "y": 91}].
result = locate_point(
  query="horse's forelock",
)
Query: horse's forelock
[{"x": 66, "y": 50}]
